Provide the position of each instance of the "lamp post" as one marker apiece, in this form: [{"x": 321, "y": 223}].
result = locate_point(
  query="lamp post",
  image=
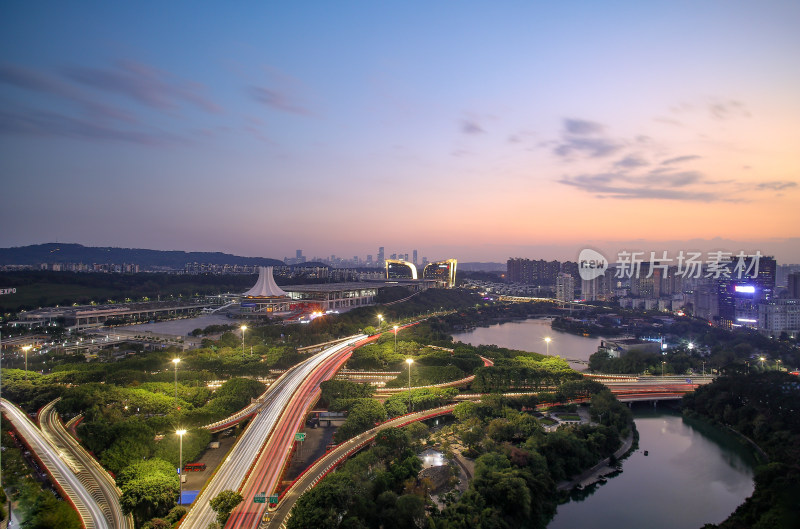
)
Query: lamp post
[
  {"x": 704, "y": 369},
  {"x": 761, "y": 358},
  {"x": 662, "y": 368},
  {"x": 380, "y": 321},
  {"x": 395, "y": 339},
  {"x": 244, "y": 328},
  {"x": 176, "y": 361},
  {"x": 409, "y": 361},
  {"x": 25, "y": 349},
  {"x": 180, "y": 464},
  {"x": 547, "y": 340}
]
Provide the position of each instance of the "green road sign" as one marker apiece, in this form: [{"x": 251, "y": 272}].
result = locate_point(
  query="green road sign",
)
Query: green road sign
[
  {"x": 260, "y": 498},
  {"x": 299, "y": 437},
  {"x": 273, "y": 498}
]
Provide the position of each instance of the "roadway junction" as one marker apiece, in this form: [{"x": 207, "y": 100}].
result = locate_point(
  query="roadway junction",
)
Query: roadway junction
[{"x": 256, "y": 463}]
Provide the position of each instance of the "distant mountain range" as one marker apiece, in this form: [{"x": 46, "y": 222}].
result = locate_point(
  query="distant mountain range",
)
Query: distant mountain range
[{"x": 77, "y": 253}]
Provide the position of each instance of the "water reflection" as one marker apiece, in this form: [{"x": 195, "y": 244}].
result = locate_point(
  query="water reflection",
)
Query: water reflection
[
  {"x": 693, "y": 474},
  {"x": 529, "y": 335}
]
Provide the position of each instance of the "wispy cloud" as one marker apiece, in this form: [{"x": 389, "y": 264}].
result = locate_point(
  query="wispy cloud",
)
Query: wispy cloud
[
  {"x": 585, "y": 138},
  {"x": 655, "y": 185},
  {"x": 144, "y": 84},
  {"x": 680, "y": 159},
  {"x": 469, "y": 126},
  {"x": 277, "y": 100},
  {"x": 776, "y": 185},
  {"x": 52, "y": 124},
  {"x": 581, "y": 127},
  {"x": 631, "y": 161},
  {"x": 727, "y": 109},
  {"x": 35, "y": 81}
]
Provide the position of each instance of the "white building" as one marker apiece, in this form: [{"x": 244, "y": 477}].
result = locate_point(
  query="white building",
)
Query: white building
[
  {"x": 778, "y": 316},
  {"x": 565, "y": 287}
]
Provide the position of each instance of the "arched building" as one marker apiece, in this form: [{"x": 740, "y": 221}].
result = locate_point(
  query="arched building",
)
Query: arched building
[
  {"x": 444, "y": 272},
  {"x": 399, "y": 269}
]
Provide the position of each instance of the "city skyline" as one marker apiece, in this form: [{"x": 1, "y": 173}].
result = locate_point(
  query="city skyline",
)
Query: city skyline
[{"x": 477, "y": 132}]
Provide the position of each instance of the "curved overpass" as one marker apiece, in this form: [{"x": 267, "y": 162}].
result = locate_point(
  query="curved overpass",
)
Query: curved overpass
[
  {"x": 58, "y": 467},
  {"x": 97, "y": 481}
]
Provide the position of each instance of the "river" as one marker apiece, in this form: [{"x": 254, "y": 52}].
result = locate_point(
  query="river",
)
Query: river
[
  {"x": 181, "y": 327},
  {"x": 694, "y": 474},
  {"x": 529, "y": 335}
]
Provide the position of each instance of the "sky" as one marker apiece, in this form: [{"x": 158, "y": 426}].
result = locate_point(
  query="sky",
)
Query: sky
[{"x": 475, "y": 130}]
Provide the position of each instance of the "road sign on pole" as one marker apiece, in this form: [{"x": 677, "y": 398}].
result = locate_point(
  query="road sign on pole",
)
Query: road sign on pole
[
  {"x": 300, "y": 437},
  {"x": 260, "y": 498},
  {"x": 273, "y": 499}
]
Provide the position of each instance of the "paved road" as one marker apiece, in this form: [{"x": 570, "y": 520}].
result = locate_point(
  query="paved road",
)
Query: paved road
[
  {"x": 267, "y": 471},
  {"x": 237, "y": 465},
  {"x": 58, "y": 468},
  {"x": 97, "y": 481},
  {"x": 322, "y": 466}
]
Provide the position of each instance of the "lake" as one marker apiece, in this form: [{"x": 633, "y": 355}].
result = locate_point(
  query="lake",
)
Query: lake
[
  {"x": 694, "y": 474},
  {"x": 529, "y": 335}
]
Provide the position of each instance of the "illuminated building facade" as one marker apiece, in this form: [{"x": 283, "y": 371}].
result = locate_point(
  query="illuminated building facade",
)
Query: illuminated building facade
[
  {"x": 442, "y": 271},
  {"x": 400, "y": 269}
]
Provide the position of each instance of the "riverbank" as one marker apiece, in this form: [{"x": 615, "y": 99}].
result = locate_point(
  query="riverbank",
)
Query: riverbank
[{"x": 598, "y": 472}]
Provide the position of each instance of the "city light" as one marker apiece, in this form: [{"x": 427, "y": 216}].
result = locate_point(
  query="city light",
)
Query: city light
[{"x": 746, "y": 289}]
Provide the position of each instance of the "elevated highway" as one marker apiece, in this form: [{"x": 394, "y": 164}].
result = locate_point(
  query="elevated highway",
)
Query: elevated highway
[
  {"x": 94, "y": 477},
  {"x": 58, "y": 466},
  {"x": 239, "y": 463}
]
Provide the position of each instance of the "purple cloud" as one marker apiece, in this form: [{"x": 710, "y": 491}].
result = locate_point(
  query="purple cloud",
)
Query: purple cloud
[
  {"x": 143, "y": 84},
  {"x": 471, "y": 127},
  {"x": 680, "y": 159},
  {"x": 582, "y": 127},
  {"x": 51, "y": 124},
  {"x": 34, "y": 81},
  {"x": 277, "y": 100}
]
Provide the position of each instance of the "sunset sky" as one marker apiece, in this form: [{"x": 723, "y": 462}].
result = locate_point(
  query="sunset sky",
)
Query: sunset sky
[{"x": 476, "y": 130}]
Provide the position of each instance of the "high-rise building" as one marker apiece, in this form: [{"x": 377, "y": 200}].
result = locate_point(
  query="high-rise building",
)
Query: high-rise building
[
  {"x": 738, "y": 298},
  {"x": 414, "y": 259},
  {"x": 647, "y": 283},
  {"x": 780, "y": 316},
  {"x": 527, "y": 271},
  {"x": 380, "y": 256},
  {"x": 565, "y": 287},
  {"x": 794, "y": 285}
]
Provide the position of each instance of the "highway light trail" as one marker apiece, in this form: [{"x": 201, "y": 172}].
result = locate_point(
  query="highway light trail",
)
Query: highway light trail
[
  {"x": 234, "y": 469},
  {"x": 62, "y": 475}
]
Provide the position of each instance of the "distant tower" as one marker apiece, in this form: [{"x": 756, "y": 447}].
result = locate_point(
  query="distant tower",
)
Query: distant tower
[
  {"x": 794, "y": 285},
  {"x": 565, "y": 287},
  {"x": 414, "y": 260},
  {"x": 380, "y": 256}
]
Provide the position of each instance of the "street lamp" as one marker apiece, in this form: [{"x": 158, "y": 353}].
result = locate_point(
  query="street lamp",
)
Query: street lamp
[
  {"x": 25, "y": 349},
  {"x": 691, "y": 346},
  {"x": 662, "y": 368},
  {"x": 409, "y": 361},
  {"x": 244, "y": 328},
  {"x": 380, "y": 321},
  {"x": 704, "y": 368},
  {"x": 761, "y": 358},
  {"x": 180, "y": 464},
  {"x": 547, "y": 341},
  {"x": 395, "y": 339},
  {"x": 176, "y": 361}
]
